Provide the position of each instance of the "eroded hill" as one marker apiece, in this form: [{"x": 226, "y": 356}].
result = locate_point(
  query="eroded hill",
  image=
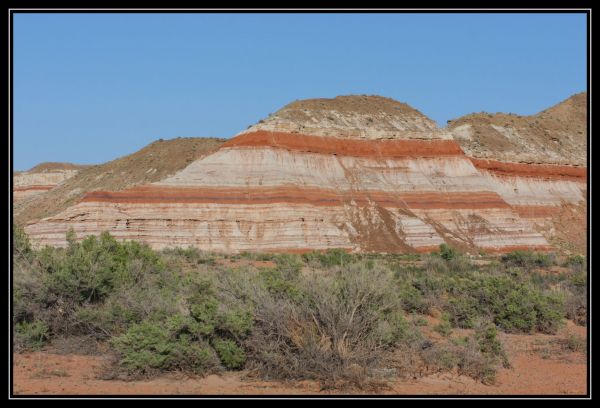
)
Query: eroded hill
[{"x": 364, "y": 173}]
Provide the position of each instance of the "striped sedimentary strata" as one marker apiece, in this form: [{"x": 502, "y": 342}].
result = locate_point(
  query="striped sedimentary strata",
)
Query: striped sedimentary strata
[
  {"x": 536, "y": 164},
  {"x": 28, "y": 184},
  {"x": 361, "y": 173},
  {"x": 272, "y": 190}
]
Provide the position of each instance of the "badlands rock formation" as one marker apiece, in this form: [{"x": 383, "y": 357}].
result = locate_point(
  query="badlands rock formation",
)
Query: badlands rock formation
[
  {"x": 41, "y": 178},
  {"x": 152, "y": 163},
  {"x": 536, "y": 164},
  {"x": 364, "y": 173}
]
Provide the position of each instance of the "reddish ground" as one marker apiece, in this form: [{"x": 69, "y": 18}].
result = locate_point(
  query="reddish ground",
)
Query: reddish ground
[{"x": 539, "y": 366}]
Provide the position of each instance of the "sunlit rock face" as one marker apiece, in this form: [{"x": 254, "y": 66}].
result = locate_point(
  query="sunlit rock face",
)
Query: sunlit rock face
[
  {"x": 41, "y": 178},
  {"x": 363, "y": 173},
  {"x": 537, "y": 164}
]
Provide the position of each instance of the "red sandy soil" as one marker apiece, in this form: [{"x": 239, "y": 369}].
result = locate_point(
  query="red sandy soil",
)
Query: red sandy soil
[{"x": 538, "y": 367}]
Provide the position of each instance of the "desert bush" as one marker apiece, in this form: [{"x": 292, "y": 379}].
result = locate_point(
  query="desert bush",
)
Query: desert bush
[
  {"x": 435, "y": 264},
  {"x": 447, "y": 253},
  {"x": 30, "y": 335},
  {"x": 289, "y": 265},
  {"x": 22, "y": 251},
  {"x": 98, "y": 286},
  {"x": 176, "y": 344},
  {"x": 477, "y": 356},
  {"x": 575, "y": 288},
  {"x": 489, "y": 345},
  {"x": 444, "y": 327},
  {"x": 459, "y": 264},
  {"x": 513, "y": 306},
  {"x": 191, "y": 255},
  {"x": 344, "y": 319},
  {"x": 529, "y": 259},
  {"x": 412, "y": 299},
  {"x": 280, "y": 282},
  {"x": 577, "y": 263},
  {"x": 230, "y": 354},
  {"x": 329, "y": 258},
  {"x": 90, "y": 270},
  {"x": 574, "y": 343}
]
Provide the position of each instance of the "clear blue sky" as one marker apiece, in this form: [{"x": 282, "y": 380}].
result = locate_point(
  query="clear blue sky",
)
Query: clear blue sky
[{"x": 89, "y": 88}]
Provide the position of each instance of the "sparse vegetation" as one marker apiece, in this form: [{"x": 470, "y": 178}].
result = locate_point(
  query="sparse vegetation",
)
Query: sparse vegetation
[{"x": 327, "y": 315}]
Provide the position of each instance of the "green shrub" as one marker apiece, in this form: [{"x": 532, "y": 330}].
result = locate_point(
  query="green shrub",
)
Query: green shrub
[
  {"x": 513, "y": 306},
  {"x": 30, "y": 335},
  {"x": 279, "y": 284},
  {"x": 412, "y": 299},
  {"x": 230, "y": 354},
  {"x": 192, "y": 255},
  {"x": 444, "y": 327},
  {"x": 329, "y": 258},
  {"x": 435, "y": 264},
  {"x": 575, "y": 343},
  {"x": 463, "y": 355},
  {"x": 204, "y": 311},
  {"x": 489, "y": 345},
  {"x": 237, "y": 322},
  {"x": 21, "y": 246},
  {"x": 528, "y": 259},
  {"x": 88, "y": 271},
  {"x": 576, "y": 262},
  {"x": 447, "y": 253},
  {"x": 175, "y": 345}
]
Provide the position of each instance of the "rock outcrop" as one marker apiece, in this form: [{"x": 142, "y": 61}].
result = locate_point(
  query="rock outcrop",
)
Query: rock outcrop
[
  {"x": 536, "y": 164},
  {"x": 41, "y": 178},
  {"x": 363, "y": 173},
  {"x": 154, "y": 162}
]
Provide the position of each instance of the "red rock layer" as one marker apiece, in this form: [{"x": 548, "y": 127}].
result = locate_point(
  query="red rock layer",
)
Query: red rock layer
[
  {"x": 540, "y": 171},
  {"x": 537, "y": 211},
  {"x": 348, "y": 147},
  {"x": 298, "y": 195},
  {"x": 41, "y": 187}
]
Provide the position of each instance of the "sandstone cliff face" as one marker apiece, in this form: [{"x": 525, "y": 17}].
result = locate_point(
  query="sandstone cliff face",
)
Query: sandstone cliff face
[{"x": 361, "y": 173}]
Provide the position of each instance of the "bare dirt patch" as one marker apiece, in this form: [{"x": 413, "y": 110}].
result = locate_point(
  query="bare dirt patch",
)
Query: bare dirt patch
[{"x": 531, "y": 373}]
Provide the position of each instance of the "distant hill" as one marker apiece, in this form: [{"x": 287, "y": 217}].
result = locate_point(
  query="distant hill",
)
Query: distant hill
[{"x": 152, "y": 163}]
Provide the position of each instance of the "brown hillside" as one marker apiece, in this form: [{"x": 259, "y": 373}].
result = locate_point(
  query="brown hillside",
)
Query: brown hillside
[
  {"x": 556, "y": 135},
  {"x": 152, "y": 163},
  {"x": 51, "y": 166}
]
